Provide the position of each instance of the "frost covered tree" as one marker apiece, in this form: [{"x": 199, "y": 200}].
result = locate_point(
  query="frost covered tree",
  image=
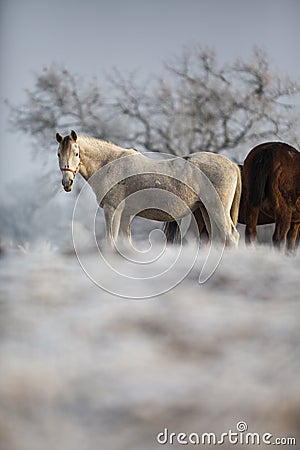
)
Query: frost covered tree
[
  {"x": 61, "y": 100},
  {"x": 199, "y": 105},
  {"x": 196, "y": 105}
]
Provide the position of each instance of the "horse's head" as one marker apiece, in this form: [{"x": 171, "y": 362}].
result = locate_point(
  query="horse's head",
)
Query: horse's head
[{"x": 68, "y": 157}]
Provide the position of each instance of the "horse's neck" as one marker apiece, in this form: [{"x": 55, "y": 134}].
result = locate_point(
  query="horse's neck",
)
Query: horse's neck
[{"x": 95, "y": 154}]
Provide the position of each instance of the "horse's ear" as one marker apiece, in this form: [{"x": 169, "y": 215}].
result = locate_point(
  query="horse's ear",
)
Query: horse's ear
[
  {"x": 59, "y": 138},
  {"x": 74, "y": 135}
]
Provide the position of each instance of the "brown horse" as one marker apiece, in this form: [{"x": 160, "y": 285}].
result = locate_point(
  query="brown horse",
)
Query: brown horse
[
  {"x": 271, "y": 185},
  {"x": 264, "y": 217}
]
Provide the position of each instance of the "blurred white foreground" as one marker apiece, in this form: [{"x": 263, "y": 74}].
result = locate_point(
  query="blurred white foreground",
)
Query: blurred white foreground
[{"x": 82, "y": 369}]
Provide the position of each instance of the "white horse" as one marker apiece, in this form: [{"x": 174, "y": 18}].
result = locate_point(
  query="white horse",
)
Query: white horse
[{"x": 171, "y": 188}]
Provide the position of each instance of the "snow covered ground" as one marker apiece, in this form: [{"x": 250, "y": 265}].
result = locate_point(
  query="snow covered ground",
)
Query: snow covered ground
[{"x": 84, "y": 369}]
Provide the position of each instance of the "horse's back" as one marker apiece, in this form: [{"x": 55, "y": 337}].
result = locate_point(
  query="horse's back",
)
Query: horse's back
[
  {"x": 266, "y": 166},
  {"x": 273, "y": 153},
  {"x": 217, "y": 167}
]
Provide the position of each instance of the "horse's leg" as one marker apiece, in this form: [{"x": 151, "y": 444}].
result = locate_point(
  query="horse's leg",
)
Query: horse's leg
[
  {"x": 116, "y": 224},
  {"x": 225, "y": 220},
  {"x": 108, "y": 216},
  {"x": 251, "y": 218},
  {"x": 202, "y": 230},
  {"x": 125, "y": 234},
  {"x": 231, "y": 213},
  {"x": 283, "y": 223},
  {"x": 292, "y": 236},
  {"x": 112, "y": 223},
  {"x": 297, "y": 238},
  {"x": 224, "y": 223},
  {"x": 232, "y": 234},
  {"x": 205, "y": 219},
  {"x": 222, "y": 229},
  {"x": 235, "y": 235}
]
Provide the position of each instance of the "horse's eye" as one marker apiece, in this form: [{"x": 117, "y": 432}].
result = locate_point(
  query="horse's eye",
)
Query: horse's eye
[
  {"x": 58, "y": 154},
  {"x": 76, "y": 154}
]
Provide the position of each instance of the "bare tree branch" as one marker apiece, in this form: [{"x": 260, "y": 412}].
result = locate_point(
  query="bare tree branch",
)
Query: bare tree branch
[{"x": 196, "y": 105}]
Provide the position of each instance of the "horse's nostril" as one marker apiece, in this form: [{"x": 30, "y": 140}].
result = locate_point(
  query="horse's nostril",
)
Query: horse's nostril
[{"x": 68, "y": 182}]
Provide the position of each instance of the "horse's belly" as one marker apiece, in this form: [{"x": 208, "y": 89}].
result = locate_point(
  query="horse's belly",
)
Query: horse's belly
[
  {"x": 163, "y": 202},
  {"x": 164, "y": 216}
]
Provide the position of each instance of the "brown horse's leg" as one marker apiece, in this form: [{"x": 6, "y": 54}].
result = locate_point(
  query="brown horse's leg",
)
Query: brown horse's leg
[
  {"x": 292, "y": 236},
  {"x": 283, "y": 223},
  {"x": 251, "y": 222}
]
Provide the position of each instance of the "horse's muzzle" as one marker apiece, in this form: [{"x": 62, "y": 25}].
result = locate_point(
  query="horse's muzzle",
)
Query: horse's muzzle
[{"x": 67, "y": 186}]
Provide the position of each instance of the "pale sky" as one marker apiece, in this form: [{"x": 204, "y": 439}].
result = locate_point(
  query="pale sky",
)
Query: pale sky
[{"x": 93, "y": 36}]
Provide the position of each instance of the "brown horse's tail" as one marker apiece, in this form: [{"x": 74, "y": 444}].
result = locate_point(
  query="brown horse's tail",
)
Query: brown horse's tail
[
  {"x": 234, "y": 211},
  {"x": 172, "y": 231},
  {"x": 260, "y": 168}
]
